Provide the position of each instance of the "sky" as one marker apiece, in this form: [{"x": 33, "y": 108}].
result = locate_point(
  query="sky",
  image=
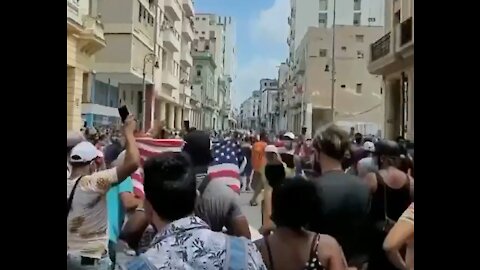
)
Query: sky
[{"x": 262, "y": 31}]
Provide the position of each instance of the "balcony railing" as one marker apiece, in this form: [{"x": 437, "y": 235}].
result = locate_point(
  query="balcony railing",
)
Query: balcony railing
[
  {"x": 406, "y": 31},
  {"x": 73, "y": 5},
  {"x": 381, "y": 47}
]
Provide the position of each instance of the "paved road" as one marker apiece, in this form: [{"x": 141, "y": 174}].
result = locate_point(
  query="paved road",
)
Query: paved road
[{"x": 252, "y": 212}]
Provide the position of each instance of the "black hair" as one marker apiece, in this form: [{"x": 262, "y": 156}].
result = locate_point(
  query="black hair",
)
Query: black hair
[
  {"x": 197, "y": 145},
  {"x": 275, "y": 174},
  {"x": 295, "y": 203},
  {"x": 170, "y": 186}
]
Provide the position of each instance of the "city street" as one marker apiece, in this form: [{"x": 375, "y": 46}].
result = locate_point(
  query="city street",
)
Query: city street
[{"x": 253, "y": 215}]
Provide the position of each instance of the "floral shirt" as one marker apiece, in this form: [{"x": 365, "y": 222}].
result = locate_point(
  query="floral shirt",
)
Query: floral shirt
[{"x": 188, "y": 243}]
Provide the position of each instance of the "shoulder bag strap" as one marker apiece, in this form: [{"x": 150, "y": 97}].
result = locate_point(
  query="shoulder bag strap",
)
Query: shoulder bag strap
[{"x": 72, "y": 193}]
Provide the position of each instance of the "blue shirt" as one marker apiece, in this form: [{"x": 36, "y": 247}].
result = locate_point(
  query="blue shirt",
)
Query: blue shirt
[{"x": 116, "y": 213}]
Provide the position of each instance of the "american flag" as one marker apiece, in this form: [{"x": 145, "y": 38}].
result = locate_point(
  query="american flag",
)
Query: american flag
[
  {"x": 228, "y": 163},
  {"x": 149, "y": 147}
]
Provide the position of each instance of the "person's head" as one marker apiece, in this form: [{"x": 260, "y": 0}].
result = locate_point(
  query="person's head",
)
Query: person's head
[
  {"x": 295, "y": 203},
  {"x": 170, "y": 187},
  {"x": 387, "y": 154},
  {"x": 263, "y": 136},
  {"x": 271, "y": 153},
  {"x": 288, "y": 136},
  {"x": 331, "y": 144},
  {"x": 198, "y": 147},
  {"x": 111, "y": 153},
  {"x": 358, "y": 138},
  {"x": 369, "y": 147},
  {"x": 73, "y": 138},
  {"x": 82, "y": 158}
]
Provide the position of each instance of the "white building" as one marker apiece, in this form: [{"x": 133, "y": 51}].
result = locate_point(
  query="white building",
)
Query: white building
[
  {"x": 229, "y": 68},
  {"x": 269, "y": 110},
  {"x": 213, "y": 36},
  {"x": 250, "y": 112},
  {"x": 282, "y": 92},
  {"x": 148, "y": 43}
]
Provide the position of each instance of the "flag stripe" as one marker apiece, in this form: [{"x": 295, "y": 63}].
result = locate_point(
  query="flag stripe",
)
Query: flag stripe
[{"x": 149, "y": 147}]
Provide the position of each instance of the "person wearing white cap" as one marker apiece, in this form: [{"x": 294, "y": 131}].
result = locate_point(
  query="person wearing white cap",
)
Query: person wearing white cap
[
  {"x": 73, "y": 138},
  {"x": 87, "y": 233}
]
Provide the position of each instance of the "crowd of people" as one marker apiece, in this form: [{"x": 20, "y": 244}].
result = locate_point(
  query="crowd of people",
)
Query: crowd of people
[{"x": 335, "y": 201}]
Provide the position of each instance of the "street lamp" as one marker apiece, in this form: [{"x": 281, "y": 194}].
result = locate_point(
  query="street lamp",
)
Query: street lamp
[
  {"x": 151, "y": 57},
  {"x": 332, "y": 101}
]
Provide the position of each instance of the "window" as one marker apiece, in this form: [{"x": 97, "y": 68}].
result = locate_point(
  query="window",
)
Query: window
[
  {"x": 124, "y": 97},
  {"x": 204, "y": 19},
  {"x": 144, "y": 14},
  {"x": 323, "y": 5},
  {"x": 196, "y": 32},
  {"x": 357, "y": 18},
  {"x": 323, "y": 53},
  {"x": 344, "y": 48},
  {"x": 359, "y": 55},
  {"x": 371, "y": 19},
  {"x": 203, "y": 32},
  {"x": 140, "y": 13},
  {"x": 359, "y": 38},
  {"x": 207, "y": 47},
  {"x": 199, "y": 72},
  {"x": 357, "y": 4},
  {"x": 343, "y": 86},
  {"x": 322, "y": 19},
  {"x": 358, "y": 89},
  {"x": 197, "y": 19}
]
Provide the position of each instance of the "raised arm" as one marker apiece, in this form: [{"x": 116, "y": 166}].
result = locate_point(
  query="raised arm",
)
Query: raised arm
[{"x": 132, "y": 155}]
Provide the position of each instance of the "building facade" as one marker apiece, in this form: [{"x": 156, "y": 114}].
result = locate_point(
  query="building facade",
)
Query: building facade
[
  {"x": 85, "y": 38},
  {"x": 269, "y": 109},
  {"x": 250, "y": 112},
  {"x": 357, "y": 93},
  {"x": 216, "y": 34},
  {"x": 306, "y": 15},
  {"x": 392, "y": 57},
  {"x": 283, "y": 71},
  {"x": 148, "y": 58},
  {"x": 203, "y": 81}
]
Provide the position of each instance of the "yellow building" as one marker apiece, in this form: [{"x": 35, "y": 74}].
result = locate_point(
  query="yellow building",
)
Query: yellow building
[
  {"x": 84, "y": 39},
  {"x": 392, "y": 57}
]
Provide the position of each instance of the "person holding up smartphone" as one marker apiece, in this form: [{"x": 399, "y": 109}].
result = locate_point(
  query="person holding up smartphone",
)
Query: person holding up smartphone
[{"x": 87, "y": 237}]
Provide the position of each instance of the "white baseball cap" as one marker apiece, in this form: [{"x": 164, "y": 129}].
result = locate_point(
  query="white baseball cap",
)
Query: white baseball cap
[
  {"x": 369, "y": 146},
  {"x": 289, "y": 135},
  {"x": 271, "y": 149},
  {"x": 83, "y": 152}
]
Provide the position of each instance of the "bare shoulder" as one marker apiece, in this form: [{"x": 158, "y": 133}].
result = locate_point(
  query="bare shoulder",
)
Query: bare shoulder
[{"x": 327, "y": 247}]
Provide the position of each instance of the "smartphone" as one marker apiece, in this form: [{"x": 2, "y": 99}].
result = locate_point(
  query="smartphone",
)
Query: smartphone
[{"x": 123, "y": 111}]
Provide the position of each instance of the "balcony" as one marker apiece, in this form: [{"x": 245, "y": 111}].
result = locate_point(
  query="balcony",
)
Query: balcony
[
  {"x": 187, "y": 30},
  {"x": 382, "y": 55},
  {"x": 188, "y": 8},
  {"x": 171, "y": 39},
  {"x": 172, "y": 7},
  {"x": 404, "y": 38},
  {"x": 73, "y": 11},
  {"x": 169, "y": 81},
  {"x": 186, "y": 58},
  {"x": 92, "y": 38},
  {"x": 288, "y": 41}
]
